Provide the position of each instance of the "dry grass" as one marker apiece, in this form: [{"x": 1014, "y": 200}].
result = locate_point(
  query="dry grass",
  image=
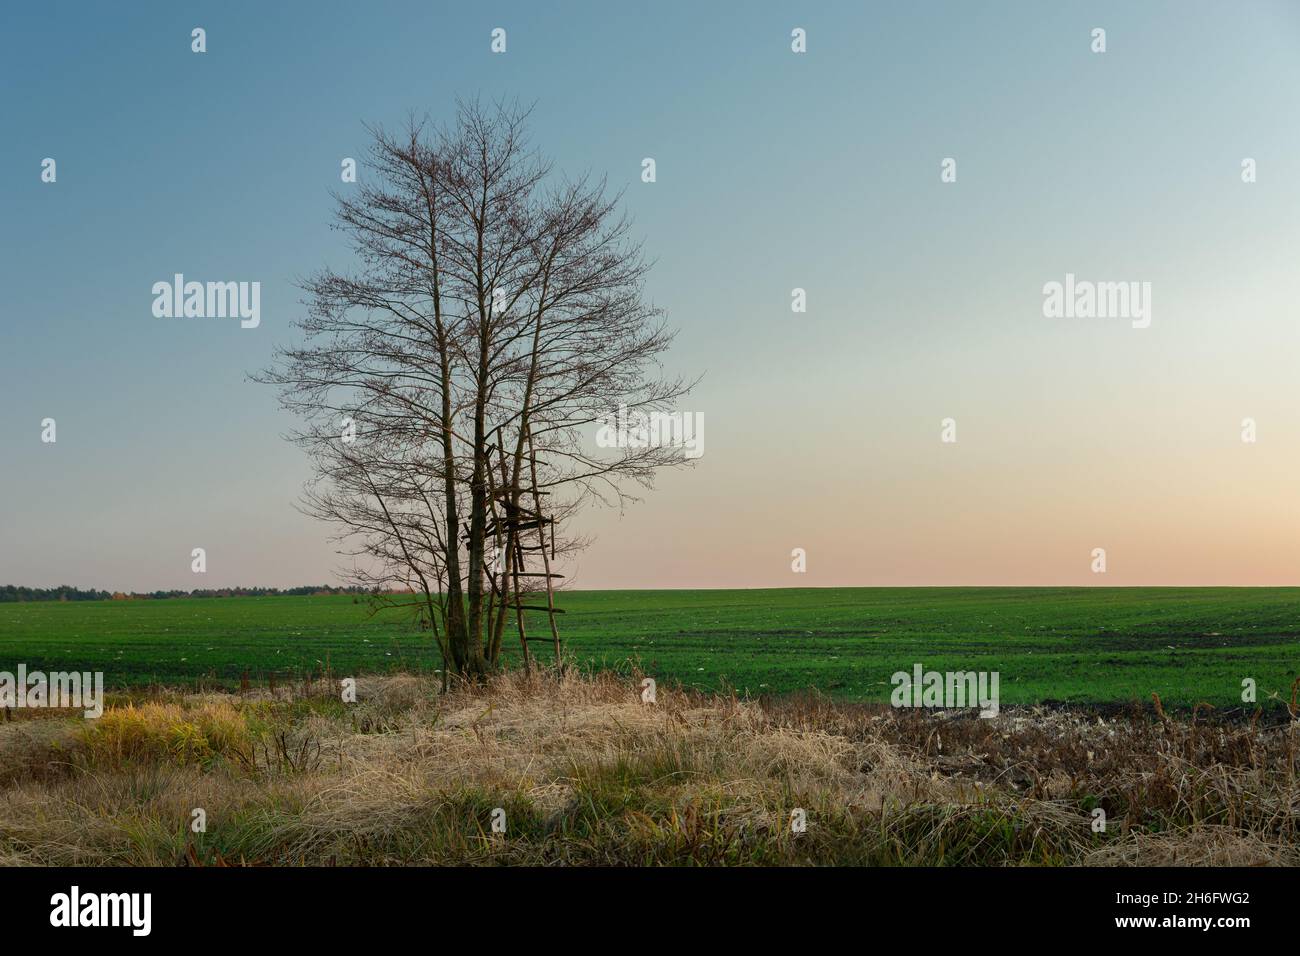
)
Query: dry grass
[{"x": 587, "y": 774}]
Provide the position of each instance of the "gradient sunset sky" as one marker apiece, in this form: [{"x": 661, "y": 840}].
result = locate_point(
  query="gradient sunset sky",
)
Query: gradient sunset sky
[{"x": 775, "y": 171}]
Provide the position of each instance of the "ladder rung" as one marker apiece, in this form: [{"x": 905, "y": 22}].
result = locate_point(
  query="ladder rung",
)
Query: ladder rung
[
  {"x": 535, "y": 607},
  {"x": 538, "y": 574}
]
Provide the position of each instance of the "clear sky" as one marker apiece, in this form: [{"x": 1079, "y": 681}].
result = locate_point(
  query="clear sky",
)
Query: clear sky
[{"x": 775, "y": 170}]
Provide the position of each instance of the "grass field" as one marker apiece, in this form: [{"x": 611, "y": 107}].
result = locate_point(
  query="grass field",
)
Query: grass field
[
  {"x": 1048, "y": 644},
  {"x": 584, "y": 773}
]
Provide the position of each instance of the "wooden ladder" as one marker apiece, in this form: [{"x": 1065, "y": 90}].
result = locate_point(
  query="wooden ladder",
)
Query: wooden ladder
[{"x": 517, "y": 520}]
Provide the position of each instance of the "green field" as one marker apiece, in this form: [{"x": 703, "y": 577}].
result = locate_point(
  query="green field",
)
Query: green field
[{"x": 1060, "y": 644}]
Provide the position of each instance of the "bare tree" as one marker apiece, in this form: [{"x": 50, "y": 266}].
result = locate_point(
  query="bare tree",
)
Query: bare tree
[{"x": 495, "y": 313}]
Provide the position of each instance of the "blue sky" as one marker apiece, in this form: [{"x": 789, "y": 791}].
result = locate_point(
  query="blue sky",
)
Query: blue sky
[{"x": 775, "y": 171}]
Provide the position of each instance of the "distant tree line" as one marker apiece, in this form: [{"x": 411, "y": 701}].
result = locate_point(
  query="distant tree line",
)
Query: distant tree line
[{"x": 14, "y": 593}]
